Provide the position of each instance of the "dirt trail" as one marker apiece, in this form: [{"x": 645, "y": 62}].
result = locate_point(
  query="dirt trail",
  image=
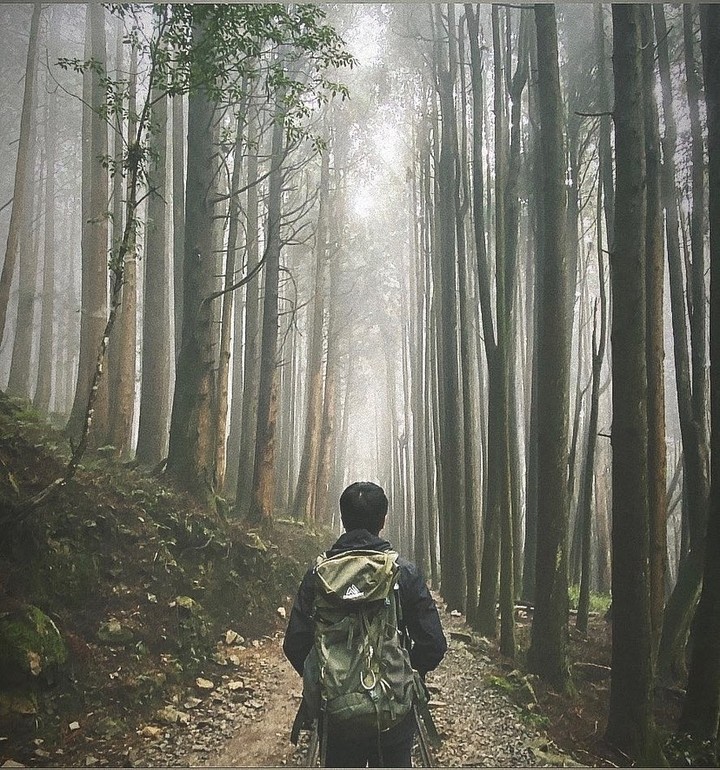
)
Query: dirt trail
[
  {"x": 246, "y": 720},
  {"x": 264, "y": 741}
]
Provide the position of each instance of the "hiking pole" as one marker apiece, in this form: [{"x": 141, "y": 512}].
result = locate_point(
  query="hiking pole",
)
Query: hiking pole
[
  {"x": 423, "y": 743},
  {"x": 313, "y": 747}
]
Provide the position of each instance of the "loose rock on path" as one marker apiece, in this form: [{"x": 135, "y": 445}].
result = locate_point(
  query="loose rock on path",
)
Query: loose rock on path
[{"x": 245, "y": 719}]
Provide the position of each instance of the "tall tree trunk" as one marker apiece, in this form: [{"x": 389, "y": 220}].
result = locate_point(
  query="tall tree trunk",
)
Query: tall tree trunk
[
  {"x": 585, "y": 510},
  {"x": 22, "y": 195},
  {"x": 229, "y": 298},
  {"x": 47, "y": 361},
  {"x": 94, "y": 240},
  {"x": 263, "y": 486},
  {"x": 22, "y": 354},
  {"x": 304, "y": 500},
  {"x": 696, "y": 487},
  {"x": 450, "y": 460},
  {"x": 485, "y": 617},
  {"x": 121, "y": 353},
  {"x": 548, "y": 649},
  {"x": 190, "y": 446},
  {"x": 630, "y": 721},
  {"x": 655, "y": 274},
  {"x": 418, "y": 407},
  {"x": 251, "y": 357},
  {"x": 178, "y": 213},
  {"x": 511, "y": 204},
  {"x": 701, "y": 709},
  {"x": 157, "y": 348},
  {"x": 537, "y": 221}
]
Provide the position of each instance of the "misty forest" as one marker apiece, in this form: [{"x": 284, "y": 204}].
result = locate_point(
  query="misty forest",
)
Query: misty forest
[{"x": 255, "y": 252}]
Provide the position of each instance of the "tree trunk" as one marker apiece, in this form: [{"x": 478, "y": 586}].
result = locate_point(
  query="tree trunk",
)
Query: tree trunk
[
  {"x": 251, "y": 359},
  {"x": 701, "y": 709},
  {"x": 178, "y": 213},
  {"x": 94, "y": 241},
  {"x": 450, "y": 459},
  {"x": 585, "y": 511},
  {"x": 678, "y": 612},
  {"x": 486, "y": 615},
  {"x": 548, "y": 649},
  {"x": 304, "y": 500},
  {"x": 654, "y": 267},
  {"x": 156, "y": 349},
  {"x": 23, "y": 171},
  {"x": 263, "y": 486},
  {"x": 122, "y": 364},
  {"x": 630, "y": 721},
  {"x": 22, "y": 354},
  {"x": 537, "y": 219},
  {"x": 228, "y": 301},
  {"x": 190, "y": 454},
  {"x": 47, "y": 361}
]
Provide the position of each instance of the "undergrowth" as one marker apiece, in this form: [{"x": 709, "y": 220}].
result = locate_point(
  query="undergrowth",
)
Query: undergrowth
[{"x": 118, "y": 545}]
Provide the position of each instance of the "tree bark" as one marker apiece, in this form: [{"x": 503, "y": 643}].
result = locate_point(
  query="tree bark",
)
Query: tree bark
[
  {"x": 228, "y": 301},
  {"x": 178, "y": 213},
  {"x": 303, "y": 507},
  {"x": 94, "y": 242},
  {"x": 678, "y": 611},
  {"x": 701, "y": 709},
  {"x": 251, "y": 356},
  {"x": 22, "y": 353},
  {"x": 122, "y": 364},
  {"x": 23, "y": 171},
  {"x": 548, "y": 648},
  {"x": 450, "y": 459},
  {"x": 157, "y": 341},
  {"x": 585, "y": 511},
  {"x": 263, "y": 486},
  {"x": 655, "y": 275},
  {"x": 190, "y": 446},
  {"x": 630, "y": 721},
  {"x": 47, "y": 365}
]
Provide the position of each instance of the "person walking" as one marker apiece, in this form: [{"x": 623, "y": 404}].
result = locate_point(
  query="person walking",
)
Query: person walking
[{"x": 362, "y": 563}]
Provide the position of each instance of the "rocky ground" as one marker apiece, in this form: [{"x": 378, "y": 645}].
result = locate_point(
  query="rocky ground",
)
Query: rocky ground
[{"x": 244, "y": 718}]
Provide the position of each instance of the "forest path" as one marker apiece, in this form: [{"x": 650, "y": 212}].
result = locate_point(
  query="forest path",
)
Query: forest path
[{"x": 479, "y": 722}]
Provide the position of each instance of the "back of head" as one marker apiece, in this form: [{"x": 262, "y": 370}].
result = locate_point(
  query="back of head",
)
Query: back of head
[{"x": 363, "y": 505}]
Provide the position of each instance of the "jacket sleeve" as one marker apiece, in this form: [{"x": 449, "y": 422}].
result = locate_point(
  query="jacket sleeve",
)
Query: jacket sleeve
[
  {"x": 421, "y": 620},
  {"x": 299, "y": 636}
]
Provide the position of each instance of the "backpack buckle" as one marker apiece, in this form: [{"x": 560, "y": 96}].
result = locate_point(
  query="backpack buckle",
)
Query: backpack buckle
[{"x": 363, "y": 677}]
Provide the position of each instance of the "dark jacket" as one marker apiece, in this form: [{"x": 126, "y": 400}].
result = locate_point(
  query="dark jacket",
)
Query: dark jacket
[{"x": 419, "y": 613}]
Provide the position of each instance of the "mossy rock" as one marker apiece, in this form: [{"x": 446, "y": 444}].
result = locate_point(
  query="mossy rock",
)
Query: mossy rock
[
  {"x": 18, "y": 703},
  {"x": 31, "y": 647},
  {"x": 112, "y": 632}
]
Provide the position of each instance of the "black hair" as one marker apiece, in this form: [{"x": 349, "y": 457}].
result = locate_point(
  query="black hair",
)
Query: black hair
[{"x": 363, "y": 505}]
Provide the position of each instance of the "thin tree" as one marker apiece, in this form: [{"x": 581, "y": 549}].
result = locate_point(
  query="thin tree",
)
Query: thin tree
[
  {"x": 47, "y": 365},
  {"x": 263, "y": 480}
]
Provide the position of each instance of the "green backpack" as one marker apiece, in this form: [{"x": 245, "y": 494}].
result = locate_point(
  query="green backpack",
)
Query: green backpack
[{"x": 358, "y": 675}]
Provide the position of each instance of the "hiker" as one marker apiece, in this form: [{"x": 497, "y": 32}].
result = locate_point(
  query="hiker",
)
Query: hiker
[{"x": 374, "y": 725}]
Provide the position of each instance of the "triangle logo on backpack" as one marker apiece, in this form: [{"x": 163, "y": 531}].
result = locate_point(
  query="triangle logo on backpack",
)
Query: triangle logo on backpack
[{"x": 353, "y": 592}]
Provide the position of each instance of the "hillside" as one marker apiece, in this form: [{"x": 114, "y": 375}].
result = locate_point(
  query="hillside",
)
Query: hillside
[{"x": 147, "y": 592}]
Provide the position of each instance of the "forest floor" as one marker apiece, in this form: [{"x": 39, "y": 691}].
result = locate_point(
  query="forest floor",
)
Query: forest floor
[{"x": 198, "y": 677}]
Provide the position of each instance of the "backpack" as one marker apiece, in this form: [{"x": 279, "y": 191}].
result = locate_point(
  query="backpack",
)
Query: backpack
[{"x": 358, "y": 675}]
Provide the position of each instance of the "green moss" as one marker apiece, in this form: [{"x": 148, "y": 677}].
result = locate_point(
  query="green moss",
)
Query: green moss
[
  {"x": 30, "y": 646},
  {"x": 599, "y": 603}
]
